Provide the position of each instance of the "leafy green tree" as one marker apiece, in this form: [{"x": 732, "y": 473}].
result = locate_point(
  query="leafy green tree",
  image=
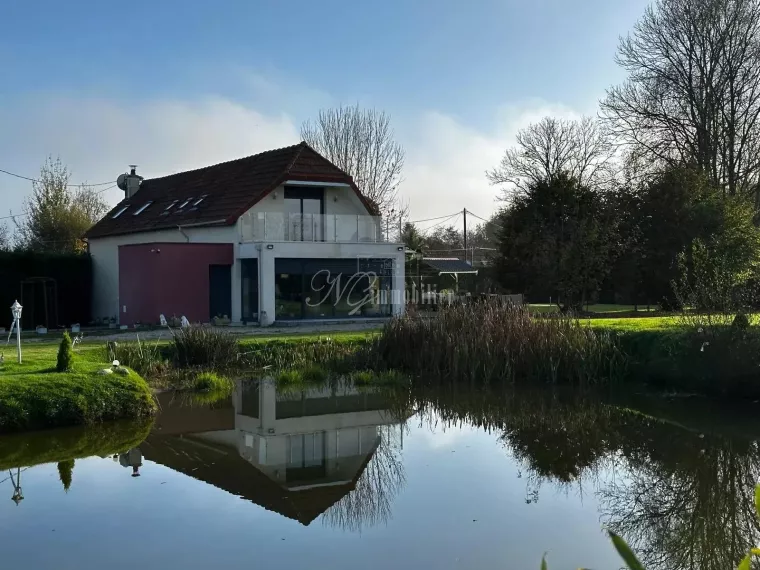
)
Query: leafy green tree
[
  {"x": 65, "y": 354},
  {"x": 558, "y": 239},
  {"x": 412, "y": 238},
  {"x": 57, "y": 216},
  {"x": 715, "y": 268},
  {"x": 445, "y": 239},
  {"x": 687, "y": 229}
]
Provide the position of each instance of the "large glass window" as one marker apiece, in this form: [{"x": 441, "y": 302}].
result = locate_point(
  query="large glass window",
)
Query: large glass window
[
  {"x": 330, "y": 288},
  {"x": 288, "y": 289}
]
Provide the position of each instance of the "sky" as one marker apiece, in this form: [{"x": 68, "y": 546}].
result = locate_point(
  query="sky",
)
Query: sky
[{"x": 172, "y": 86}]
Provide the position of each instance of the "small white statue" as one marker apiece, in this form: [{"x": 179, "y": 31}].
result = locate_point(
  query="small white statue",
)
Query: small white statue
[
  {"x": 184, "y": 322},
  {"x": 162, "y": 319}
]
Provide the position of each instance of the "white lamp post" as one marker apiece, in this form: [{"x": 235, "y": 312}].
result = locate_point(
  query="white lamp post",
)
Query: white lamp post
[{"x": 16, "y": 310}]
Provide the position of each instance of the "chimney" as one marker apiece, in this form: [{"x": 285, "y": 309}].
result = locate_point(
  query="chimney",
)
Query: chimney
[{"x": 133, "y": 181}]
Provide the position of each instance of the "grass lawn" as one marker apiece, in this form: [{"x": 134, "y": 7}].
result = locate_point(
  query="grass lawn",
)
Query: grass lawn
[
  {"x": 595, "y": 308},
  {"x": 34, "y": 396},
  {"x": 630, "y": 324}
]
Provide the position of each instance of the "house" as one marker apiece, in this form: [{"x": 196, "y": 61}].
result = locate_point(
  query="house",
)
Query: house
[
  {"x": 281, "y": 235},
  {"x": 296, "y": 454}
]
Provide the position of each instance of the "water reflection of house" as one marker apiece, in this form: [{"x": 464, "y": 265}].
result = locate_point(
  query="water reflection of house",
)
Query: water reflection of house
[{"x": 294, "y": 453}]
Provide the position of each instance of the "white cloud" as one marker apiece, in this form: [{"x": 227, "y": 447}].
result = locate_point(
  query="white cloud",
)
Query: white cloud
[
  {"x": 447, "y": 160},
  {"x": 98, "y": 137}
]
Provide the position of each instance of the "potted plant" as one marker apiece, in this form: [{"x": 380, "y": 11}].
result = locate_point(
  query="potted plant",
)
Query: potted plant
[{"x": 112, "y": 323}]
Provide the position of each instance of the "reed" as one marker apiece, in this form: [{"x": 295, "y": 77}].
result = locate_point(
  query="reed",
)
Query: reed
[{"x": 494, "y": 342}]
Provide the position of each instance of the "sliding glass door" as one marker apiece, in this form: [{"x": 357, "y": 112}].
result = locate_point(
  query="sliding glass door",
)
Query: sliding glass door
[{"x": 304, "y": 209}]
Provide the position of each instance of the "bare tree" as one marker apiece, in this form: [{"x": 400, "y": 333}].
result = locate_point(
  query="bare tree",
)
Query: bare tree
[
  {"x": 582, "y": 149},
  {"x": 56, "y": 217},
  {"x": 693, "y": 90},
  {"x": 361, "y": 142},
  {"x": 5, "y": 238}
]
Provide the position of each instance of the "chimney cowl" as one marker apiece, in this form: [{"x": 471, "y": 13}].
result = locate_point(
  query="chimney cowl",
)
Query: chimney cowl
[{"x": 132, "y": 182}]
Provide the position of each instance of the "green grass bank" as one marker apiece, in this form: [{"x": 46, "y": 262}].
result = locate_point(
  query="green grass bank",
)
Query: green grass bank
[{"x": 34, "y": 396}]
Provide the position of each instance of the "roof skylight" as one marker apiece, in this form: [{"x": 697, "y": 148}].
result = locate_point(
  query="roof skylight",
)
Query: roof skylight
[
  {"x": 142, "y": 208},
  {"x": 120, "y": 212},
  {"x": 185, "y": 203},
  {"x": 170, "y": 206}
]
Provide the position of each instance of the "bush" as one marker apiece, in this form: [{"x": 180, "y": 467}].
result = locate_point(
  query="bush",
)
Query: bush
[
  {"x": 494, "y": 342},
  {"x": 212, "y": 382},
  {"x": 65, "y": 354},
  {"x": 205, "y": 347}
]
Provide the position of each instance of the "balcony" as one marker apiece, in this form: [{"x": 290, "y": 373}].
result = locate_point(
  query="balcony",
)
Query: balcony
[{"x": 334, "y": 228}]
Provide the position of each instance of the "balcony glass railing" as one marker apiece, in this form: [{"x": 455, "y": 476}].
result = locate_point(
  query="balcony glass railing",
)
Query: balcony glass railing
[{"x": 276, "y": 226}]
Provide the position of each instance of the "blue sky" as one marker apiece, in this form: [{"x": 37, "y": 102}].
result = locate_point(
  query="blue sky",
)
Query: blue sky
[{"x": 174, "y": 85}]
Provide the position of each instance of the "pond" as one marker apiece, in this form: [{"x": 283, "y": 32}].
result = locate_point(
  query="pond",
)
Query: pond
[{"x": 341, "y": 476}]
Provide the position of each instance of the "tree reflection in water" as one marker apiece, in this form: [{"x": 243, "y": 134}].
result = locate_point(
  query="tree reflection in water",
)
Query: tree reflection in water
[
  {"x": 370, "y": 502},
  {"x": 688, "y": 503},
  {"x": 680, "y": 497}
]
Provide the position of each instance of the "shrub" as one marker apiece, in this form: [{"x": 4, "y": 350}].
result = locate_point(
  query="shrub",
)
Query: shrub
[
  {"x": 212, "y": 382},
  {"x": 493, "y": 342},
  {"x": 65, "y": 354},
  {"x": 206, "y": 347}
]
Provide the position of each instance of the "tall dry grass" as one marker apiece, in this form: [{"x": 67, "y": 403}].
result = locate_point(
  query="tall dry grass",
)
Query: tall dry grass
[{"x": 497, "y": 342}]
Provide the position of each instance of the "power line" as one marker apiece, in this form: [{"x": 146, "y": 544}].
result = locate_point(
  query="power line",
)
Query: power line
[
  {"x": 39, "y": 181},
  {"x": 432, "y": 219},
  {"x": 482, "y": 219},
  {"x": 443, "y": 222},
  {"x": 27, "y": 213}
]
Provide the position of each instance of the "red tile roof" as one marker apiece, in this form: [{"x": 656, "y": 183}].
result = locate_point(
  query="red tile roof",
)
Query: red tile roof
[{"x": 230, "y": 189}]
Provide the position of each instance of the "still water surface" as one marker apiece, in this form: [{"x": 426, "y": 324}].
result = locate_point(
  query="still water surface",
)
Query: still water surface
[{"x": 344, "y": 477}]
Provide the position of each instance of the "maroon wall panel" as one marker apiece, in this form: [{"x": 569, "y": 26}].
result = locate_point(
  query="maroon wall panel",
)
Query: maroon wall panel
[{"x": 168, "y": 278}]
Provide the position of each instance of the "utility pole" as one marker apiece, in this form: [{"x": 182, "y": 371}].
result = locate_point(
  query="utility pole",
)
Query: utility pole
[{"x": 464, "y": 214}]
